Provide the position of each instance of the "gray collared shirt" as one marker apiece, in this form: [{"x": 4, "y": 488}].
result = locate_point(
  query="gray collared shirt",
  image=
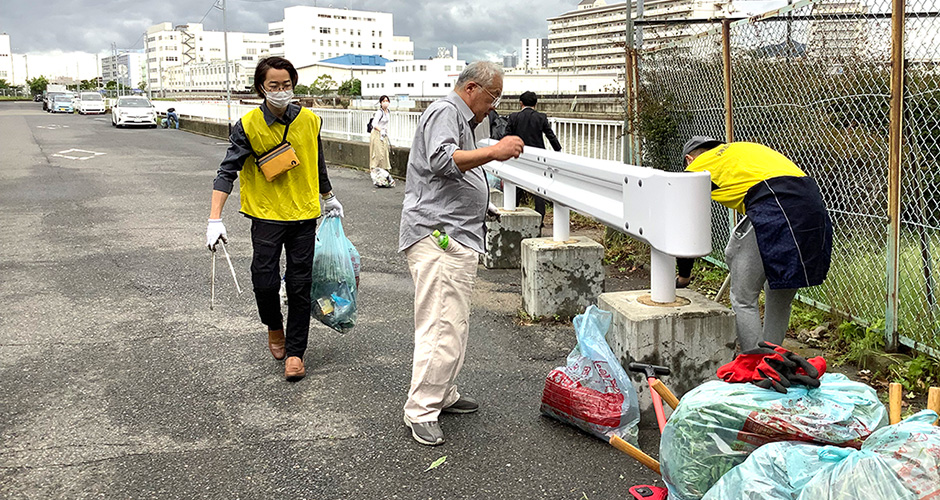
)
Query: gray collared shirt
[{"x": 437, "y": 194}]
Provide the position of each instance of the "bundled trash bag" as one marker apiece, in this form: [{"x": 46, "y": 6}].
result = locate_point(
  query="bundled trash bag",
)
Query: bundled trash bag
[
  {"x": 593, "y": 392},
  {"x": 381, "y": 177},
  {"x": 334, "y": 292},
  {"x": 898, "y": 462},
  {"x": 717, "y": 425}
]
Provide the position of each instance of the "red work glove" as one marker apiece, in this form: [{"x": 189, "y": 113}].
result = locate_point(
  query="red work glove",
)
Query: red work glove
[
  {"x": 807, "y": 371},
  {"x": 763, "y": 367}
]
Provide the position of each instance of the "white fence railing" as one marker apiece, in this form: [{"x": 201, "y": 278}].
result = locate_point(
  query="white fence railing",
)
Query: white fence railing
[{"x": 598, "y": 139}]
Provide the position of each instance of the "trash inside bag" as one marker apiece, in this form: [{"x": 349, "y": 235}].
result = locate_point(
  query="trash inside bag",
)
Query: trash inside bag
[
  {"x": 897, "y": 462},
  {"x": 593, "y": 392},
  {"x": 777, "y": 471},
  {"x": 334, "y": 290},
  {"x": 717, "y": 425},
  {"x": 381, "y": 177}
]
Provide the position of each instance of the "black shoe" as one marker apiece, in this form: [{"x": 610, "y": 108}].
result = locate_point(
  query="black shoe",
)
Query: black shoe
[
  {"x": 427, "y": 433},
  {"x": 465, "y": 404}
]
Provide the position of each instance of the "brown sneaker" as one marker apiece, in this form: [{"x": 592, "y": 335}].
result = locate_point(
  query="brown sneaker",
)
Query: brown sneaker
[
  {"x": 294, "y": 369},
  {"x": 276, "y": 343}
]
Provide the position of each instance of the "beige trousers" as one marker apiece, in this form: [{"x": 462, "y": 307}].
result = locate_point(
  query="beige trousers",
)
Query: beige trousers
[{"x": 443, "y": 284}]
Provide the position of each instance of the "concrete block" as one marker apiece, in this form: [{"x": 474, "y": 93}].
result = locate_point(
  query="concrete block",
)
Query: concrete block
[
  {"x": 561, "y": 278},
  {"x": 692, "y": 337},
  {"x": 504, "y": 237},
  {"x": 496, "y": 197}
]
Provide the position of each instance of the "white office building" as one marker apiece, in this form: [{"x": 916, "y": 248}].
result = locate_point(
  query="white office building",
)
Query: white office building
[
  {"x": 310, "y": 34},
  {"x": 188, "y": 44},
  {"x": 6, "y": 59},
  {"x": 210, "y": 76},
  {"x": 533, "y": 53},
  {"x": 416, "y": 78},
  {"x": 591, "y": 37},
  {"x": 128, "y": 68}
]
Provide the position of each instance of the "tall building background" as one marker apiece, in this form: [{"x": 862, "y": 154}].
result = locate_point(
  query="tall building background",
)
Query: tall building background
[
  {"x": 533, "y": 53},
  {"x": 188, "y": 50},
  {"x": 310, "y": 34},
  {"x": 6, "y": 59},
  {"x": 134, "y": 68}
]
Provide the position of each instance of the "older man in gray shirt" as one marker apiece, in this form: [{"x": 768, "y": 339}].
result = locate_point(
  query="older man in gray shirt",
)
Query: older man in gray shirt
[{"x": 445, "y": 190}]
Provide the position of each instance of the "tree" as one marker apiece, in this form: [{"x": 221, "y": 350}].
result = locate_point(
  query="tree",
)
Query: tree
[
  {"x": 301, "y": 89},
  {"x": 112, "y": 85},
  {"x": 352, "y": 87},
  {"x": 322, "y": 85},
  {"x": 142, "y": 86},
  {"x": 89, "y": 85},
  {"x": 4, "y": 84},
  {"x": 37, "y": 85}
]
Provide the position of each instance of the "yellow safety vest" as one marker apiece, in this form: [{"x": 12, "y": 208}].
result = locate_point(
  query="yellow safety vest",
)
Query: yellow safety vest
[
  {"x": 737, "y": 166},
  {"x": 294, "y": 195}
]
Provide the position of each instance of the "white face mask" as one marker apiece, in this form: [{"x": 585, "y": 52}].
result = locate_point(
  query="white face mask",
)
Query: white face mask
[{"x": 279, "y": 100}]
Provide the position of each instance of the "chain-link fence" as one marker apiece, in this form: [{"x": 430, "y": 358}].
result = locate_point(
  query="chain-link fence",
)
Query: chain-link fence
[{"x": 813, "y": 81}]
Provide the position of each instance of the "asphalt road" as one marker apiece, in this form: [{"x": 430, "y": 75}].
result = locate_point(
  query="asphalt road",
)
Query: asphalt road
[{"x": 116, "y": 381}]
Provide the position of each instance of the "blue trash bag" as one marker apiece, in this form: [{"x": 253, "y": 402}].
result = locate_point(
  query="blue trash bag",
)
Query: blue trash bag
[
  {"x": 717, "y": 425},
  {"x": 593, "y": 392},
  {"x": 334, "y": 293},
  {"x": 777, "y": 471},
  {"x": 897, "y": 462}
]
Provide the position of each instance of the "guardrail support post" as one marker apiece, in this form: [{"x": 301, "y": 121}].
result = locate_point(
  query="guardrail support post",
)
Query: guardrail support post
[
  {"x": 662, "y": 277},
  {"x": 509, "y": 196},
  {"x": 561, "y": 223}
]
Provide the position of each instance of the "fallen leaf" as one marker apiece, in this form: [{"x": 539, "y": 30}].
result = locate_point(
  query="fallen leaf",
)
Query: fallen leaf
[{"x": 437, "y": 463}]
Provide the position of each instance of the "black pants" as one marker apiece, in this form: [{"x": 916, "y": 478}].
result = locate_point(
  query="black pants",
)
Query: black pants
[{"x": 298, "y": 241}]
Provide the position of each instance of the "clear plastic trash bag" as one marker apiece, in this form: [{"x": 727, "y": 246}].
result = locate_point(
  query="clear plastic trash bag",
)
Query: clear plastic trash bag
[
  {"x": 592, "y": 391},
  {"x": 333, "y": 292},
  {"x": 717, "y": 425}
]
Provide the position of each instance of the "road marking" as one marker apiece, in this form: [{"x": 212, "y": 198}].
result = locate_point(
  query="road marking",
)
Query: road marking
[
  {"x": 52, "y": 127},
  {"x": 86, "y": 154}
]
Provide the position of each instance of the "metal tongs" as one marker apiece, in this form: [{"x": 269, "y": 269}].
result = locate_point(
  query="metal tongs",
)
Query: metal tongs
[{"x": 212, "y": 282}]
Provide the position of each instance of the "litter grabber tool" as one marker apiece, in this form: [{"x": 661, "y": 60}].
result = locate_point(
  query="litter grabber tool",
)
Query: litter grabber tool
[
  {"x": 231, "y": 267},
  {"x": 212, "y": 275},
  {"x": 636, "y": 453},
  {"x": 651, "y": 372},
  {"x": 212, "y": 284}
]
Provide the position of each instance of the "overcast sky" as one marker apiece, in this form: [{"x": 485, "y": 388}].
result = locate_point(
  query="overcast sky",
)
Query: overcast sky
[{"x": 57, "y": 34}]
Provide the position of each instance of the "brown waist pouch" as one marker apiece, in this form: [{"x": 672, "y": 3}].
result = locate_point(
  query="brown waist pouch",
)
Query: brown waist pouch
[{"x": 278, "y": 160}]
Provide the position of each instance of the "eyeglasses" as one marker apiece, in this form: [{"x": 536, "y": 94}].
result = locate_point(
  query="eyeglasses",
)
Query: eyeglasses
[
  {"x": 279, "y": 88},
  {"x": 496, "y": 99}
]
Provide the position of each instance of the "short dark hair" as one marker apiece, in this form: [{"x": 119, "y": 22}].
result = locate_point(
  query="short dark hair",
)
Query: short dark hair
[
  {"x": 529, "y": 98},
  {"x": 273, "y": 62},
  {"x": 384, "y": 98}
]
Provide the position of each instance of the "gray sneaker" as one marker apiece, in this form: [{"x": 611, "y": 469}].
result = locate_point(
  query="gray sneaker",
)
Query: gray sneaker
[
  {"x": 428, "y": 433},
  {"x": 465, "y": 404}
]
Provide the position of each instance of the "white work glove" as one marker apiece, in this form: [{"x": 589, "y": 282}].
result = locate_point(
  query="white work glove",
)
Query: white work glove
[
  {"x": 215, "y": 231},
  {"x": 332, "y": 207},
  {"x": 492, "y": 213}
]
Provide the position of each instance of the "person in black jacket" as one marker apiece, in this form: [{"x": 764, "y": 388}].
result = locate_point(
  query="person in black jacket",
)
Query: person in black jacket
[{"x": 529, "y": 125}]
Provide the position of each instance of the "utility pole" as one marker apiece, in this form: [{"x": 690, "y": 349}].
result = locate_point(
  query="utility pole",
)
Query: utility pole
[
  {"x": 147, "y": 61},
  {"x": 228, "y": 85}
]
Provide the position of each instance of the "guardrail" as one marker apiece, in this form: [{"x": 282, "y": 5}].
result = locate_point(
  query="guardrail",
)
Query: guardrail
[{"x": 671, "y": 211}]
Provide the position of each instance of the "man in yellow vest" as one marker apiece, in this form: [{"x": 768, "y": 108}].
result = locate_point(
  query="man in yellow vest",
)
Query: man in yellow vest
[
  {"x": 283, "y": 210},
  {"x": 784, "y": 241}
]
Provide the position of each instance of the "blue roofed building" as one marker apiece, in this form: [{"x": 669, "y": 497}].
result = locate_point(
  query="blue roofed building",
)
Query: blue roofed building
[{"x": 343, "y": 68}]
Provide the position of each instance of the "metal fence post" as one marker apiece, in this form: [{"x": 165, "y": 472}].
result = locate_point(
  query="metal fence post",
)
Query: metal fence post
[
  {"x": 729, "y": 103},
  {"x": 894, "y": 173}
]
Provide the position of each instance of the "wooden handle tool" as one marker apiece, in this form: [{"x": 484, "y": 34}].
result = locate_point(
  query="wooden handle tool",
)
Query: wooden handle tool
[{"x": 634, "y": 452}]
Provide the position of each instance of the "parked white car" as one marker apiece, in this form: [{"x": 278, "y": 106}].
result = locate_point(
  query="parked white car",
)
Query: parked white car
[
  {"x": 89, "y": 102},
  {"x": 133, "y": 110}
]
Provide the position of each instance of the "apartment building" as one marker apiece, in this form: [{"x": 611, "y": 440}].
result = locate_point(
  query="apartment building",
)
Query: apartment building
[
  {"x": 533, "y": 53},
  {"x": 168, "y": 46},
  {"x": 210, "y": 76},
  {"x": 6, "y": 58},
  {"x": 310, "y": 34},
  {"x": 127, "y": 67},
  {"x": 415, "y": 78},
  {"x": 838, "y": 38},
  {"x": 591, "y": 37}
]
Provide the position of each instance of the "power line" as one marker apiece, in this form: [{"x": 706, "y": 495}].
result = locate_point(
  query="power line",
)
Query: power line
[{"x": 208, "y": 11}]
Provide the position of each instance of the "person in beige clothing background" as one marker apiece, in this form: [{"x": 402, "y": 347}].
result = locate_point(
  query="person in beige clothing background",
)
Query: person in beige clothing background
[
  {"x": 444, "y": 190},
  {"x": 379, "y": 166}
]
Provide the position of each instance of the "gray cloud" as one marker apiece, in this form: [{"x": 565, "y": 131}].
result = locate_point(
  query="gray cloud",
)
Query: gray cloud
[{"x": 479, "y": 29}]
